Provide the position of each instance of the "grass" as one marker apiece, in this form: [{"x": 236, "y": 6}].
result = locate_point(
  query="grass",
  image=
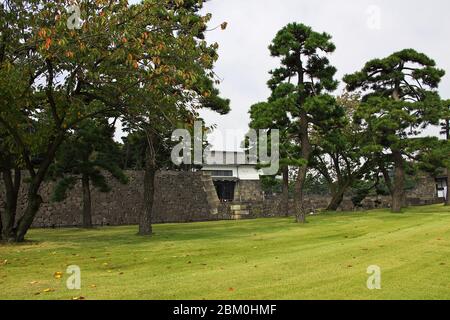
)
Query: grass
[{"x": 252, "y": 259}]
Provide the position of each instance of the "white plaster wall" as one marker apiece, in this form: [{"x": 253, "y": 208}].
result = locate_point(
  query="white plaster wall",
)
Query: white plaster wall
[{"x": 241, "y": 172}]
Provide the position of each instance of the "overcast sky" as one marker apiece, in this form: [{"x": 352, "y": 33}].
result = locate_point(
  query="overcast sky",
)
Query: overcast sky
[{"x": 361, "y": 30}]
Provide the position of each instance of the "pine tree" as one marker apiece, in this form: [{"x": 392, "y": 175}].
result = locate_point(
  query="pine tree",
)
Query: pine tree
[
  {"x": 274, "y": 114},
  {"x": 86, "y": 156},
  {"x": 339, "y": 153},
  {"x": 399, "y": 99},
  {"x": 446, "y": 132},
  {"x": 304, "y": 66}
]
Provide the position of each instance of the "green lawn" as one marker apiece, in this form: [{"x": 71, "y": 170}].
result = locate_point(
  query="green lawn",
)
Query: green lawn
[{"x": 253, "y": 259}]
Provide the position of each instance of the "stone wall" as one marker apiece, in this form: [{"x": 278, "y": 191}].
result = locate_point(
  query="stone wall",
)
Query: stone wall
[
  {"x": 188, "y": 197},
  {"x": 179, "y": 197},
  {"x": 424, "y": 187},
  {"x": 248, "y": 190},
  {"x": 273, "y": 206}
]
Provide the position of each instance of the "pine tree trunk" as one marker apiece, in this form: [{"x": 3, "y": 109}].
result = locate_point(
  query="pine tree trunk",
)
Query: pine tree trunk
[
  {"x": 388, "y": 181},
  {"x": 306, "y": 149},
  {"x": 398, "y": 194},
  {"x": 145, "y": 218},
  {"x": 87, "y": 203},
  {"x": 285, "y": 191},
  {"x": 337, "y": 198},
  {"x": 8, "y": 215},
  {"x": 300, "y": 214}
]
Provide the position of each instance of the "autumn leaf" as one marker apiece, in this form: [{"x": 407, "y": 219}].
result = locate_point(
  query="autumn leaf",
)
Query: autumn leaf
[
  {"x": 58, "y": 275},
  {"x": 48, "y": 43},
  {"x": 231, "y": 289},
  {"x": 79, "y": 298},
  {"x": 42, "y": 33},
  {"x": 48, "y": 290}
]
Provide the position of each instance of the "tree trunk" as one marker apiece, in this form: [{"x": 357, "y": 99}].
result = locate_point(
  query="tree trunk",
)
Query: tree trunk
[
  {"x": 337, "y": 198},
  {"x": 300, "y": 214},
  {"x": 306, "y": 149},
  {"x": 8, "y": 216},
  {"x": 87, "y": 203},
  {"x": 398, "y": 194},
  {"x": 285, "y": 191},
  {"x": 145, "y": 218},
  {"x": 387, "y": 180},
  {"x": 34, "y": 202}
]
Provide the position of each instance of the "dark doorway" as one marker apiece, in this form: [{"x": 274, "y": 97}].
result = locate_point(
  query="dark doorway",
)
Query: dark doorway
[{"x": 225, "y": 190}]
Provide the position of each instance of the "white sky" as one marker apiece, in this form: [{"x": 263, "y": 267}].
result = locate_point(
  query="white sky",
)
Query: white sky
[
  {"x": 361, "y": 30},
  {"x": 245, "y": 59}
]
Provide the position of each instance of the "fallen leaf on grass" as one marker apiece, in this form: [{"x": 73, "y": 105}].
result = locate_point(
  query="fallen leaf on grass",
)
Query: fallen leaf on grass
[
  {"x": 58, "y": 275},
  {"x": 48, "y": 290},
  {"x": 231, "y": 289},
  {"x": 78, "y": 298},
  {"x": 34, "y": 282},
  {"x": 93, "y": 286}
]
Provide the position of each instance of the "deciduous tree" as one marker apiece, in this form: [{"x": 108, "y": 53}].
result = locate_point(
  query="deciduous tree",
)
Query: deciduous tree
[{"x": 55, "y": 77}]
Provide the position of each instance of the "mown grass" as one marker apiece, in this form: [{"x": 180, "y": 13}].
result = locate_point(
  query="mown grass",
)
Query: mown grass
[{"x": 253, "y": 259}]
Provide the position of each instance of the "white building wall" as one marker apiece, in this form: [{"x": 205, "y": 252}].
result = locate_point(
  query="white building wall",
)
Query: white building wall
[
  {"x": 218, "y": 167},
  {"x": 240, "y": 172},
  {"x": 234, "y": 161},
  {"x": 248, "y": 173}
]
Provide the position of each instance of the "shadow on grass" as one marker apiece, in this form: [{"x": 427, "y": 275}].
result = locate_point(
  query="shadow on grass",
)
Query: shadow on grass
[{"x": 127, "y": 235}]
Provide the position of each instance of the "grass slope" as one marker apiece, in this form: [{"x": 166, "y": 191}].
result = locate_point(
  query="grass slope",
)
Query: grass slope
[{"x": 252, "y": 259}]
